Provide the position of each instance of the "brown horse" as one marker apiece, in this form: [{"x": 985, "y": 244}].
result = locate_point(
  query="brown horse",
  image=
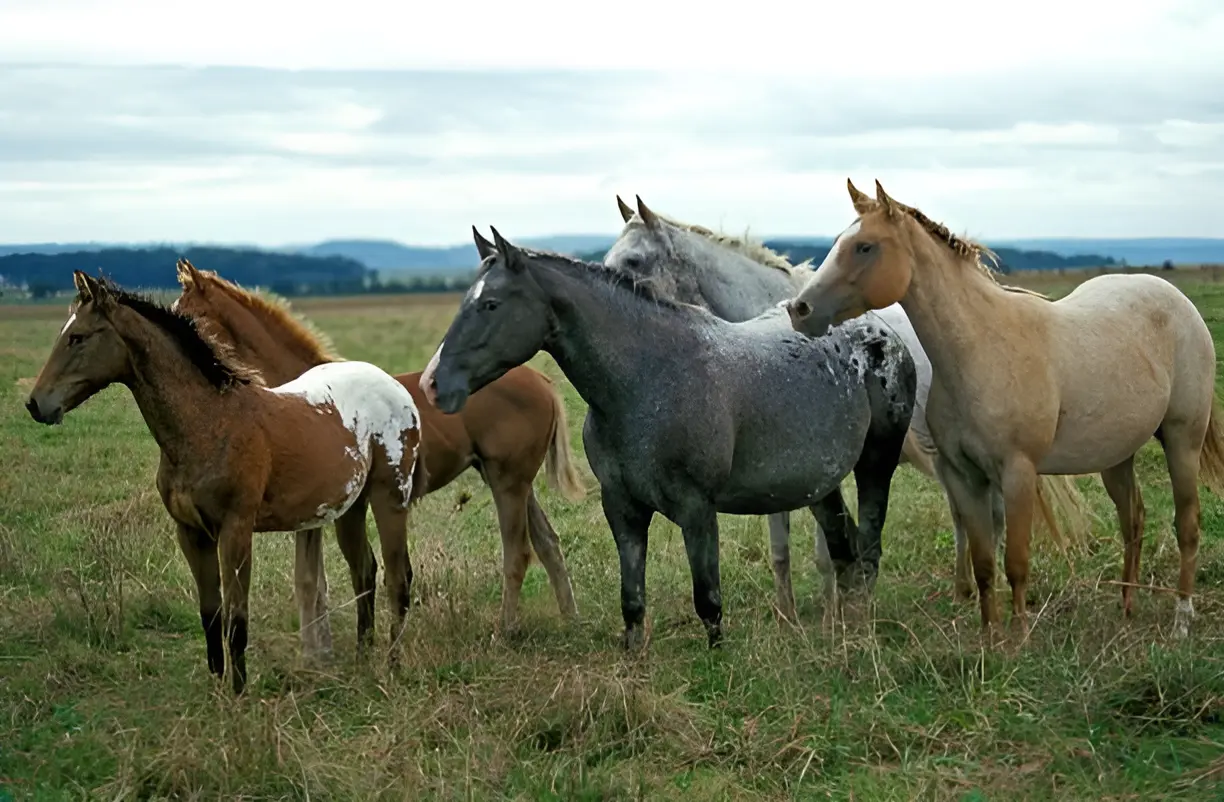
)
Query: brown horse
[
  {"x": 238, "y": 457},
  {"x": 506, "y": 431},
  {"x": 1034, "y": 386}
]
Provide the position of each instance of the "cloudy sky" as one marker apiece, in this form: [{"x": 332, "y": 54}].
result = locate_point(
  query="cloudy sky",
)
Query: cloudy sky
[{"x": 273, "y": 122}]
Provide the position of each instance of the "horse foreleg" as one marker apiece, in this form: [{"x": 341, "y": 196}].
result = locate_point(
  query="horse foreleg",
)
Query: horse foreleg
[
  {"x": 310, "y": 588},
  {"x": 511, "y": 502},
  {"x": 201, "y": 553},
  {"x": 234, "y": 543},
  {"x": 779, "y": 549},
  {"x": 630, "y": 524},
  {"x": 1019, "y": 495},
  {"x": 970, "y": 497}
]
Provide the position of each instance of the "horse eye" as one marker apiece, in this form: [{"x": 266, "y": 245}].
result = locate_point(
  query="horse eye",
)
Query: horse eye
[
  {"x": 76, "y": 339},
  {"x": 633, "y": 262},
  {"x": 488, "y": 305},
  {"x": 863, "y": 247}
]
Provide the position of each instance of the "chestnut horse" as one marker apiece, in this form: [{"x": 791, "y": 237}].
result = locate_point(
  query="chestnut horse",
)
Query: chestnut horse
[
  {"x": 506, "y": 432},
  {"x": 238, "y": 457},
  {"x": 1036, "y": 386}
]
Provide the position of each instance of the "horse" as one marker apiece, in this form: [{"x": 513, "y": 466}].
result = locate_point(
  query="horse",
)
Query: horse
[
  {"x": 507, "y": 431},
  {"x": 1030, "y": 386},
  {"x": 239, "y": 457},
  {"x": 737, "y": 278},
  {"x": 690, "y": 415}
]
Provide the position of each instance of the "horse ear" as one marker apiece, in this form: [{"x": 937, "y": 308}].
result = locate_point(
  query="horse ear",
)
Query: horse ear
[
  {"x": 861, "y": 200},
  {"x": 84, "y": 285},
  {"x": 648, "y": 217},
  {"x": 510, "y": 254},
  {"x": 882, "y": 198},
  {"x": 626, "y": 210},
  {"x": 484, "y": 248},
  {"x": 187, "y": 275}
]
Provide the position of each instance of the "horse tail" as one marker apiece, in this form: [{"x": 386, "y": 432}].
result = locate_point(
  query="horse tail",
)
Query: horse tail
[
  {"x": 559, "y": 465},
  {"x": 1059, "y": 496},
  {"x": 1211, "y": 459}
]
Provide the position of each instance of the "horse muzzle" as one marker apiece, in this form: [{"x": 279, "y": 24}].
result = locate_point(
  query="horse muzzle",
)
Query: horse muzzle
[{"x": 44, "y": 413}]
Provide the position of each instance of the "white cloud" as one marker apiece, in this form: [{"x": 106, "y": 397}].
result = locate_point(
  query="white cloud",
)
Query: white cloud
[{"x": 1052, "y": 117}]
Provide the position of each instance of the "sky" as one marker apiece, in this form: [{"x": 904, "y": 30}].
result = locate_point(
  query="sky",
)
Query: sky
[{"x": 274, "y": 123}]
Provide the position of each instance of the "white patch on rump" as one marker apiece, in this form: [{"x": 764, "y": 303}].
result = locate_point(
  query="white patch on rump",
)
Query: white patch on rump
[
  {"x": 71, "y": 320},
  {"x": 372, "y": 405}
]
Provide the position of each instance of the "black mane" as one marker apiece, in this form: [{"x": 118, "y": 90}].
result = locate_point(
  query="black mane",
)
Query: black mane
[
  {"x": 618, "y": 279},
  {"x": 210, "y": 358}
]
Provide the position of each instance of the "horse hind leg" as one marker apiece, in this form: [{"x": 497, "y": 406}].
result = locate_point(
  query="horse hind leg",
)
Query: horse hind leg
[
  {"x": 391, "y": 517},
  {"x": 1182, "y": 448},
  {"x": 548, "y": 548},
  {"x": 779, "y": 548},
  {"x": 363, "y": 568},
  {"x": 836, "y": 549},
  {"x": 1124, "y": 492}
]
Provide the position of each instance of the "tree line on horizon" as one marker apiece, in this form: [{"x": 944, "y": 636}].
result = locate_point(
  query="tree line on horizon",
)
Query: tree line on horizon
[{"x": 294, "y": 274}]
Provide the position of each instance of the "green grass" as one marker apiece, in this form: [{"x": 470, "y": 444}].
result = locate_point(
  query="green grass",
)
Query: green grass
[{"x": 104, "y": 691}]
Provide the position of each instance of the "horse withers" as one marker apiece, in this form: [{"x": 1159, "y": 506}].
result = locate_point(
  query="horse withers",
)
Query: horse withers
[
  {"x": 238, "y": 457},
  {"x": 690, "y": 415}
]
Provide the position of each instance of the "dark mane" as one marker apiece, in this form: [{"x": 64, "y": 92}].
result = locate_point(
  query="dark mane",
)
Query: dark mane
[
  {"x": 623, "y": 281},
  {"x": 212, "y": 359}
]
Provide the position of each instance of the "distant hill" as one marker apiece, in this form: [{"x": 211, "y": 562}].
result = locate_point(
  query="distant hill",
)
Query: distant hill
[
  {"x": 389, "y": 255},
  {"x": 396, "y": 261}
]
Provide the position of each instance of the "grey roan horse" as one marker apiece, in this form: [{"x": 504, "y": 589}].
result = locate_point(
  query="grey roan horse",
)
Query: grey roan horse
[
  {"x": 737, "y": 279},
  {"x": 690, "y": 415}
]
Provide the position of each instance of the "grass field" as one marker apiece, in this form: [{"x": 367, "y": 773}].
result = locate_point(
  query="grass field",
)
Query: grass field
[{"x": 104, "y": 691}]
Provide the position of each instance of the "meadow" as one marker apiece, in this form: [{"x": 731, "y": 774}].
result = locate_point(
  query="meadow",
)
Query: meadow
[{"x": 105, "y": 694}]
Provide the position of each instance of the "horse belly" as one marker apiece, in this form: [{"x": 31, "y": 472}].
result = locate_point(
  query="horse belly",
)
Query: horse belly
[
  {"x": 1092, "y": 437},
  {"x": 310, "y": 494},
  {"x": 770, "y": 477}
]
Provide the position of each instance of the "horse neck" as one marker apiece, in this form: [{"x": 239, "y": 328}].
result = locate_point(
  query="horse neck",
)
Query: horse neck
[
  {"x": 953, "y": 309},
  {"x": 603, "y": 334},
  {"x": 264, "y": 344},
  {"x": 732, "y": 285},
  {"x": 178, "y": 404}
]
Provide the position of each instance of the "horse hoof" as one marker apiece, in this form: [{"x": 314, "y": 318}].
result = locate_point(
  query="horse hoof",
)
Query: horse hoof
[{"x": 634, "y": 639}]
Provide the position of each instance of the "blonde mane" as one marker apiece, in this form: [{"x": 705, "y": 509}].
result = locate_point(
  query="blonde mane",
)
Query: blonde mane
[
  {"x": 277, "y": 311},
  {"x": 756, "y": 251},
  {"x": 965, "y": 248}
]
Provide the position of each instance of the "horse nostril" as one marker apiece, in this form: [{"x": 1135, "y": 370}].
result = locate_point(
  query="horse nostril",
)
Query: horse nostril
[
  {"x": 32, "y": 407},
  {"x": 801, "y": 309}
]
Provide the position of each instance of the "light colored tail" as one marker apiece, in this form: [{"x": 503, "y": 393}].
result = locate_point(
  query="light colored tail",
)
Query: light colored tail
[
  {"x": 1211, "y": 459},
  {"x": 1059, "y": 496},
  {"x": 559, "y": 465}
]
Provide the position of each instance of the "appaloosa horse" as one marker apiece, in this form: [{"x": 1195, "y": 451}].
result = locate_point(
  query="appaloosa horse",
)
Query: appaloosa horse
[
  {"x": 689, "y": 415},
  {"x": 1028, "y": 386},
  {"x": 238, "y": 457},
  {"x": 505, "y": 432},
  {"x": 736, "y": 279}
]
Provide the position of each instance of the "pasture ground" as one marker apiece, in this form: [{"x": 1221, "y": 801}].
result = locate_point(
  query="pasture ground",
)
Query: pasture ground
[{"x": 104, "y": 691}]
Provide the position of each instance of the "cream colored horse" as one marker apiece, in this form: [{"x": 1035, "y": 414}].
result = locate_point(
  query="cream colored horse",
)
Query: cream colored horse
[{"x": 1029, "y": 386}]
